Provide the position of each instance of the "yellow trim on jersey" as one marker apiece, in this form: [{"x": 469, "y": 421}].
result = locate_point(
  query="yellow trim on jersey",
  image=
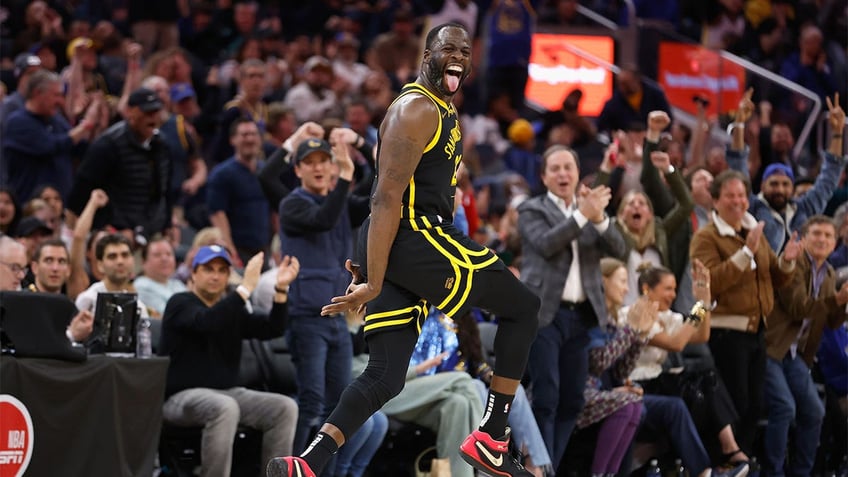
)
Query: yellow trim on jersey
[
  {"x": 464, "y": 297},
  {"x": 387, "y": 314},
  {"x": 468, "y": 279},
  {"x": 423, "y": 316},
  {"x": 411, "y": 206},
  {"x": 461, "y": 248},
  {"x": 433, "y": 141},
  {"x": 466, "y": 263},
  {"x": 457, "y": 272},
  {"x": 430, "y": 95},
  {"x": 373, "y": 326},
  {"x": 420, "y": 307}
]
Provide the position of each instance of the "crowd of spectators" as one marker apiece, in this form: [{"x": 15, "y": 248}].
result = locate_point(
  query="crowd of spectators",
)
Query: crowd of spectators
[{"x": 169, "y": 126}]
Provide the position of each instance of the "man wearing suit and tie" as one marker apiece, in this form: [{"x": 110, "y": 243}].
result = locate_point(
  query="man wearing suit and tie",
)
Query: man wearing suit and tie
[{"x": 564, "y": 233}]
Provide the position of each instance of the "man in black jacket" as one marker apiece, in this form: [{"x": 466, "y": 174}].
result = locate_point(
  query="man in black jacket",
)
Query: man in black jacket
[
  {"x": 132, "y": 164},
  {"x": 202, "y": 332}
]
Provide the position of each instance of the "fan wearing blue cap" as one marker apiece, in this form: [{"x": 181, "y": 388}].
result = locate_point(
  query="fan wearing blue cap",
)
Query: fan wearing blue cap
[
  {"x": 775, "y": 205},
  {"x": 202, "y": 332}
]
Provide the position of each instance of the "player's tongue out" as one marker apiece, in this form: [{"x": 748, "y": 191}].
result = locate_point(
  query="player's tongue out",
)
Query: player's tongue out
[
  {"x": 452, "y": 76},
  {"x": 452, "y": 82}
]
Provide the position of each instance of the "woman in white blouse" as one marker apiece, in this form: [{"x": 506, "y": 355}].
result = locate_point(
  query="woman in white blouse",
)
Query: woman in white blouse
[{"x": 671, "y": 333}]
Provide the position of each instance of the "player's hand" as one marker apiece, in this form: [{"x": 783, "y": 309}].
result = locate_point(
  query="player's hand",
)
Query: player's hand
[{"x": 355, "y": 300}]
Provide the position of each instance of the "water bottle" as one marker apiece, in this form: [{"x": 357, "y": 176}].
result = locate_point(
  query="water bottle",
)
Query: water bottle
[
  {"x": 653, "y": 469},
  {"x": 753, "y": 468},
  {"x": 144, "y": 339}
]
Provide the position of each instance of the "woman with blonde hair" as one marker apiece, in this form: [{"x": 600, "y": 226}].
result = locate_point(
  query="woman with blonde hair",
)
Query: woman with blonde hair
[{"x": 613, "y": 351}]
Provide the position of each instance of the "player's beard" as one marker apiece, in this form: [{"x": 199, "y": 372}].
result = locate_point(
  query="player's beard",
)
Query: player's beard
[{"x": 436, "y": 76}]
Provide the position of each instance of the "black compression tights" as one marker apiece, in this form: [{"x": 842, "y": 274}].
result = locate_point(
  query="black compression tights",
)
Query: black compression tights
[{"x": 497, "y": 291}]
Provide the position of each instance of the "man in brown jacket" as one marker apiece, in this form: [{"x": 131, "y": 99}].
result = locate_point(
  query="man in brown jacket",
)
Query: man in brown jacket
[
  {"x": 803, "y": 307},
  {"x": 744, "y": 272}
]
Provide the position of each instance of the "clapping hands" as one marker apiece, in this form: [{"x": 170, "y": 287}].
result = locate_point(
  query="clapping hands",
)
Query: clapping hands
[
  {"x": 287, "y": 272},
  {"x": 792, "y": 249},
  {"x": 701, "y": 282},
  {"x": 593, "y": 202},
  {"x": 642, "y": 315}
]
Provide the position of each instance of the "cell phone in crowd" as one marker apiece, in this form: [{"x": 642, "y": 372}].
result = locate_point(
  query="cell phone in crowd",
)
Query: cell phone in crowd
[{"x": 614, "y": 152}]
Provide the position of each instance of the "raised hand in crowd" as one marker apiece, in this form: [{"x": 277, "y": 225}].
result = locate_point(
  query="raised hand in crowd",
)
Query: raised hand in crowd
[
  {"x": 642, "y": 315},
  {"x": 98, "y": 199},
  {"x": 765, "y": 108},
  {"x": 252, "y": 271},
  {"x": 842, "y": 294},
  {"x": 81, "y": 326},
  {"x": 836, "y": 120},
  {"x": 658, "y": 121},
  {"x": 793, "y": 248},
  {"x": 51, "y": 25},
  {"x": 132, "y": 80},
  {"x": 307, "y": 130},
  {"x": 104, "y": 113},
  {"x": 746, "y": 107},
  {"x": 340, "y": 139},
  {"x": 133, "y": 52},
  {"x": 701, "y": 282},
  {"x": 744, "y": 112},
  {"x": 593, "y": 202},
  {"x": 611, "y": 158},
  {"x": 286, "y": 272},
  {"x": 661, "y": 160},
  {"x": 87, "y": 127},
  {"x": 754, "y": 236},
  {"x": 345, "y": 135}
]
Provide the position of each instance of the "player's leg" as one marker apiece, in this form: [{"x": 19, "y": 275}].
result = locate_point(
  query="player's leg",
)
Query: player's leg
[
  {"x": 516, "y": 309},
  {"x": 391, "y": 330}
]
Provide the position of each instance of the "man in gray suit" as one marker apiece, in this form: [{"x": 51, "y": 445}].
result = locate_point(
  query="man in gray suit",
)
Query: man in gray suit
[{"x": 564, "y": 233}]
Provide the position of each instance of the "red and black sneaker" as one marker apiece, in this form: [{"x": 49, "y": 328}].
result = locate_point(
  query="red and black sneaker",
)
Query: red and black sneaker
[
  {"x": 288, "y": 467},
  {"x": 491, "y": 456}
]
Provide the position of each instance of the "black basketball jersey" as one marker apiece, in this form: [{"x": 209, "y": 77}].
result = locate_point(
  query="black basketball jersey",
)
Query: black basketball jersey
[{"x": 429, "y": 197}]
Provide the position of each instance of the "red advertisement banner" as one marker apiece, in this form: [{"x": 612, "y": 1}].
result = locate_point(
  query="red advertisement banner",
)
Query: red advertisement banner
[{"x": 560, "y": 63}]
